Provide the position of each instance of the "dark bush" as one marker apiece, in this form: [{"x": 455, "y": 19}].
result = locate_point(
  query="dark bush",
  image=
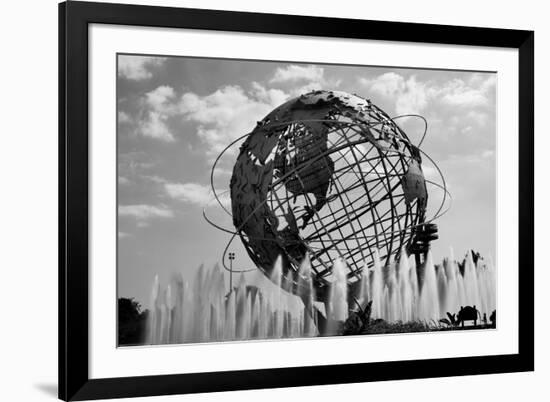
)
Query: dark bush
[{"x": 132, "y": 322}]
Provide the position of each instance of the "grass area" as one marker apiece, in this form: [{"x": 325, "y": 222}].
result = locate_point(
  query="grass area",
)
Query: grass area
[
  {"x": 384, "y": 327},
  {"x": 360, "y": 323}
]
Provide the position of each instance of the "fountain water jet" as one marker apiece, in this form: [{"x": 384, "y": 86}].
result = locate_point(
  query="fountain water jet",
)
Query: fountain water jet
[{"x": 285, "y": 306}]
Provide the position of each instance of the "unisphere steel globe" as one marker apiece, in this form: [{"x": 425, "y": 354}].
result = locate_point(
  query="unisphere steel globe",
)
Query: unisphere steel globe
[{"x": 329, "y": 175}]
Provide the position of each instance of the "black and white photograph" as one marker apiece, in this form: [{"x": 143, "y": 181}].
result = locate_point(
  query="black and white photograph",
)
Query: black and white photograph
[
  {"x": 263, "y": 200},
  {"x": 275, "y": 201}
]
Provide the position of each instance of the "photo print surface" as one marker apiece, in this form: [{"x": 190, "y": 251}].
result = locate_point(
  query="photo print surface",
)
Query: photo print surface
[{"x": 271, "y": 200}]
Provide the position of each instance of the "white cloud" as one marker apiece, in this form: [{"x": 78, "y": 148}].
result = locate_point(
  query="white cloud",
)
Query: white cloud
[
  {"x": 154, "y": 126},
  {"x": 414, "y": 99},
  {"x": 194, "y": 193},
  {"x": 465, "y": 98},
  {"x": 134, "y": 162},
  {"x": 123, "y": 235},
  {"x": 477, "y": 91},
  {"x": 482, "y": 81},
  {"x": 388, "y": 84},
  {"x": 158, "y": 107},
  {"x": 228, "y": 113},
  {"x": 138, "y": 67},
  {"x": 410, "y": 95},
  {"x": 156, "y": 179},
  {"x": 159, "y": 99},
  {"x": 310, "y": 78},
  {"x": 269, "y": 96},
  {"x": 189, "y": 192},
  {"x": 221, "y": 116},
  {"x": 144, "y": 212},
  {"x": 458, "y": 93},
  {"x": 123, "y": 180},
  {"x": 295, "y": 73},
  {"x": 123, "y": 117},
  {"x": 413, "y": 96}
]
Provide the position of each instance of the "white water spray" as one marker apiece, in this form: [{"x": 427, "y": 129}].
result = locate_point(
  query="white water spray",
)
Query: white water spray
[{"x": 202, "y": 310}]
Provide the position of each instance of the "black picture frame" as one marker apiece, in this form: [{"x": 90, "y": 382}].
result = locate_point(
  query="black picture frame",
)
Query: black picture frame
[{"x": 74, "y": 380}]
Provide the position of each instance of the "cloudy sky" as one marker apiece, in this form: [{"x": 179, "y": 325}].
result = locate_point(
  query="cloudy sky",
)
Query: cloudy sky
[{"x": 176, "y": 114}]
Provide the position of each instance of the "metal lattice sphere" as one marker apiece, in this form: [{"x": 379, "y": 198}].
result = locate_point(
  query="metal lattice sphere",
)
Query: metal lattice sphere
[{"x": 331, "y": 175}]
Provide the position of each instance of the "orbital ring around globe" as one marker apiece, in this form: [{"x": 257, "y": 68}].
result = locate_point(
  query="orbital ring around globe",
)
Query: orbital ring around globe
[
  {"x": 301, "y": 172},
  {"x": 442, "y": 209},
  {"x": 216, "y": 196},
  {"x": 217, "y": 199},
  {"x": 220, "y": 155}
]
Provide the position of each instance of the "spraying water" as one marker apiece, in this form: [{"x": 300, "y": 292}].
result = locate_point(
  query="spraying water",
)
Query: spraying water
[{"x": 202, "y": 310}]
